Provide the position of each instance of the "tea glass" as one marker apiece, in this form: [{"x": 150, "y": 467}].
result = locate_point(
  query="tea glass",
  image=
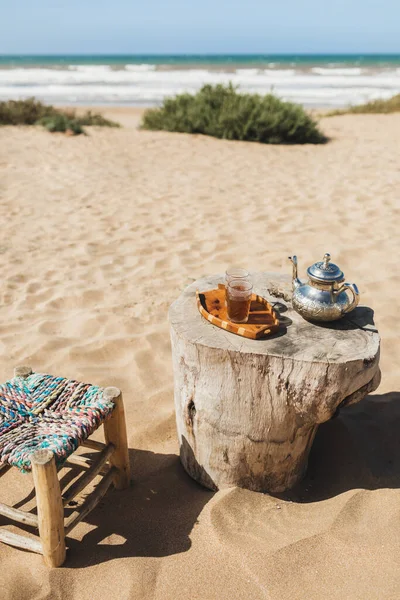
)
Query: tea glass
[
  {"x": 238, "y": 300},
  {"x": 236, "y": 273}
]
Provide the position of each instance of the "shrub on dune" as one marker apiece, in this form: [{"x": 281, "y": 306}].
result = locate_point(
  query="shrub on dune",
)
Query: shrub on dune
[
  {"x": 95, "y": 120},
  {"x": 374, "y": 107},
  {"x": 62, "y": 123},
  {"x": 222, "y": 112},
  {"x": 23, "y": 112},
  {"x": 33, "y": 112}
]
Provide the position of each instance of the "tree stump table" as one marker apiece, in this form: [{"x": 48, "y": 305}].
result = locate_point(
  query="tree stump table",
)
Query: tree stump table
[{"x": 247, "y": 410}]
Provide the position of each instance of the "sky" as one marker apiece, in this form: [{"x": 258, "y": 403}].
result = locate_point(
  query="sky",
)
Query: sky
[{"x": 200, "y": 26}]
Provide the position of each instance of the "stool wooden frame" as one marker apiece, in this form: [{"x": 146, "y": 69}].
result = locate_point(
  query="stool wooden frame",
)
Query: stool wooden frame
[{"x": 112, "y": 463}]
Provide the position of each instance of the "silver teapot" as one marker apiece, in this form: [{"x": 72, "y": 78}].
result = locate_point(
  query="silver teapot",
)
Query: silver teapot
[{"x": 324, "y": 296}]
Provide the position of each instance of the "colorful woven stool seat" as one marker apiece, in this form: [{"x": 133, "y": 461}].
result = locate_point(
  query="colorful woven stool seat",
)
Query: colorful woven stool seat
[{"x": 42, "y": 411}]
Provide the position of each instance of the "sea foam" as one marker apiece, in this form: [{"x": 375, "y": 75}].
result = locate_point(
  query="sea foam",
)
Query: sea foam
[{"x": 148, "y": 84}]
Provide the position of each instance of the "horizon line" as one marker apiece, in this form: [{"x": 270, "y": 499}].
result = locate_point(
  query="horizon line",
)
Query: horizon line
[{"x": 34, "y": 54}]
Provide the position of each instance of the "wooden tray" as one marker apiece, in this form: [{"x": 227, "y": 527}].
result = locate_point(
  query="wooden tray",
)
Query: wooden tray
[{"x": 262, "y": 318}]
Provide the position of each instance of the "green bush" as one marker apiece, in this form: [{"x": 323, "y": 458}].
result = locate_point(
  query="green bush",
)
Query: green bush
[
  {"x": 96, "y": 119},
  {"x": 23, "y": 112},
  {"x": 61, "y": 122},
  {"x": 375, "y": 106},
  {"x": 223, "y": 112},
  {"x": 32, "y": 112}
]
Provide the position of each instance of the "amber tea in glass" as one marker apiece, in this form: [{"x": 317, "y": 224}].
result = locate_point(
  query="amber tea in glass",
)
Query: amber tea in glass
[{"x": 238, "y": 299}]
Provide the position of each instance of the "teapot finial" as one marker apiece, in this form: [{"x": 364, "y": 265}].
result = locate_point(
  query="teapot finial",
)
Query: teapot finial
[{"x": 327, "y": 258}]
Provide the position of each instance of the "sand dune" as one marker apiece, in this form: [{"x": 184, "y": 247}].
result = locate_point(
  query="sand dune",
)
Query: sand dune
[{"x": 100, "y": 234}]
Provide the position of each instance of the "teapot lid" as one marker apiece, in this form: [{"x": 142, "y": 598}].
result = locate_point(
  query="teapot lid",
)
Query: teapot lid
[{"x": 325, "y": 271}]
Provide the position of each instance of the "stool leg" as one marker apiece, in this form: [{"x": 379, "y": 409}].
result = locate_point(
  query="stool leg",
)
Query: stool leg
[
  {"x": 115, "y": 433},
  {"x": 49, "y": 506}
]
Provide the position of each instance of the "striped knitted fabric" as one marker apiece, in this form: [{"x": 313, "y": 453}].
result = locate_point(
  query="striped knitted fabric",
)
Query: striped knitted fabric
[{"x": 42, "y": 411}]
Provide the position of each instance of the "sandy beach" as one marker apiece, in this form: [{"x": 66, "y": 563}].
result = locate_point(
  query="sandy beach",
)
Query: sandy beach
[{"x": 100, "y": 234}]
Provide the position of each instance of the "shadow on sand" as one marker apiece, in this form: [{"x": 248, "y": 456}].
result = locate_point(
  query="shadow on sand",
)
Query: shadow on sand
[
  {"x": 154, "y": 517},
  {"x": 358, "y": 449}
]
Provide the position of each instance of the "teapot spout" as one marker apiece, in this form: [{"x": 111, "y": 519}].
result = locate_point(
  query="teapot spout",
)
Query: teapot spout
[{"x": 295, "y": 280}]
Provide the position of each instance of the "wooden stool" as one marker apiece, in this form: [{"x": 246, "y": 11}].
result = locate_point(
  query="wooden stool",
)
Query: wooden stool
[{"x": 43, "y": 420}]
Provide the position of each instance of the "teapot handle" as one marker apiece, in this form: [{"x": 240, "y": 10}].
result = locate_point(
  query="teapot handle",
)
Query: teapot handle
[{"x": 351, "y": 287}]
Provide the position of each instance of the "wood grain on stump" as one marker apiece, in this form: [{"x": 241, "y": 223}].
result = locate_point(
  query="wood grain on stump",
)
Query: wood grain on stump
[{"x": 247, "y": 410}]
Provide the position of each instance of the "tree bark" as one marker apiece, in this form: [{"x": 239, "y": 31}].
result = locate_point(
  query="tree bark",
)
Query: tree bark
[{"x": 247, "y": 410}]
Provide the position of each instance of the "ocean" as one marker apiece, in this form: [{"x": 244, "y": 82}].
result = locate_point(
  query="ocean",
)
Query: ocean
[{"x": 323, "y": 81}]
